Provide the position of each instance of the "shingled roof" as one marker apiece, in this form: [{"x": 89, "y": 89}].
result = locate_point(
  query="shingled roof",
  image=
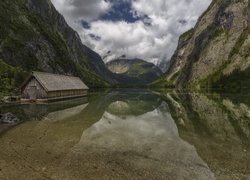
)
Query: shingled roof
[{"x": 56, "y": 82}]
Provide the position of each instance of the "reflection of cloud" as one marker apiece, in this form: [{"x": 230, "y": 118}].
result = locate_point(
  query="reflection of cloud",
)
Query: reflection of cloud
[{"x": 150, "y": 142}]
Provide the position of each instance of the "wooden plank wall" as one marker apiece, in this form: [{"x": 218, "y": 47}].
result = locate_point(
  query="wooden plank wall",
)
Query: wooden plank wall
[
  {"x": 67, "y": 93},
  {"x": 41, "y": 93}
]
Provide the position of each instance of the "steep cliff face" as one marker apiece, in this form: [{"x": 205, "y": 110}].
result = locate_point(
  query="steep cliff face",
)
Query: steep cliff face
[
  {"x": 34, "y": 36},
  {"x": 217, "y": 49},
  {"x": 134, "y": 71}
]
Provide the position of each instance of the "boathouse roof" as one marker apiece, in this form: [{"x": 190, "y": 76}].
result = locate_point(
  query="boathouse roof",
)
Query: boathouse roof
[{"x": 56, "y": 82}]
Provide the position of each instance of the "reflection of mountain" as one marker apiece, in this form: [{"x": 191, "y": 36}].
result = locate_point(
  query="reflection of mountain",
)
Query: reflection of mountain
[
  {"x": 132, "y": 103},
  {"x": 131, "y": 135},
  {"x": 148, "y": 143},
  {"x": 218, "y": 128},
  {"x": 43, "y": 144}
]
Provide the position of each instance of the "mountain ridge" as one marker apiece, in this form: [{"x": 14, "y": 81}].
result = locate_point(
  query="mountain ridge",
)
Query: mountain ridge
[
  {"x": 134, "y": 71},
  {"x": 214, "y": 51},
  {"x": 36, "y": 37}
]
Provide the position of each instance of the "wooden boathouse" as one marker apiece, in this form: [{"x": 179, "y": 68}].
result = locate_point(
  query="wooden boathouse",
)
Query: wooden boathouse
[{"x": 40, "y": 86}]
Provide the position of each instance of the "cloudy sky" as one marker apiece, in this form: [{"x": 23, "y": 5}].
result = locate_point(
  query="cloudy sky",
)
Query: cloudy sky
[{"x": 145, "y": 29}]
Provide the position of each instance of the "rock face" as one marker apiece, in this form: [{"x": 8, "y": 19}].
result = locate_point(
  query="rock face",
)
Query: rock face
[
  {"x": 134, "y": 71},
  {"x": 216, "y": 52},
  {"x": 34, "y": 36}
]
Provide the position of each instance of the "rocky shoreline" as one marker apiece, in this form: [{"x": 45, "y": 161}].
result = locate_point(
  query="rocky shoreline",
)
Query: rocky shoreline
[{"x": 9, "y": 118}]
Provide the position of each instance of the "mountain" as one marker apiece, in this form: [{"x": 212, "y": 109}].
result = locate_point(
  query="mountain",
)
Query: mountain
[
  {"x": 216, "y": 52},
  {"x": 134, "y": 71},
  {"x": 34, "y": 36},
  {"x": 163, "y": 65}
]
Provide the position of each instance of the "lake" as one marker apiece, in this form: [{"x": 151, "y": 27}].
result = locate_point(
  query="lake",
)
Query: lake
[{"x": 129, "y": 134}]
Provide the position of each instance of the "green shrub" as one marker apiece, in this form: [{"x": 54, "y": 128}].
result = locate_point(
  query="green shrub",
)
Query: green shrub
[{"x": 10, "y": 78}]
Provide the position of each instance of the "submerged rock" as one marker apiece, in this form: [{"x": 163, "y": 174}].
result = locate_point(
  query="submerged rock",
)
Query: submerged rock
[{"x": 9, "y": 118}]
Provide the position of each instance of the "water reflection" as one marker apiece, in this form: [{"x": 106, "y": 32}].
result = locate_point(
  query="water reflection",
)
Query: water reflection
[
  {"x": 141, "y": 146},
  {"x": 27, "y": 112},
  {"x": 131, "y": 134},
  {"x": 219, "y": 128}
]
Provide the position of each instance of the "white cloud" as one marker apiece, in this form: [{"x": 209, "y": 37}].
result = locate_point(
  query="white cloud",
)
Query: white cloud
[
  {"x": 76, "y": 10},
  {"x": 154, "y": 43}
]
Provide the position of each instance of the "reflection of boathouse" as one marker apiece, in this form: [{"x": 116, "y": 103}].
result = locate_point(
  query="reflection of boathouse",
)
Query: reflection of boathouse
[{"x": 46, "y": 86}]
